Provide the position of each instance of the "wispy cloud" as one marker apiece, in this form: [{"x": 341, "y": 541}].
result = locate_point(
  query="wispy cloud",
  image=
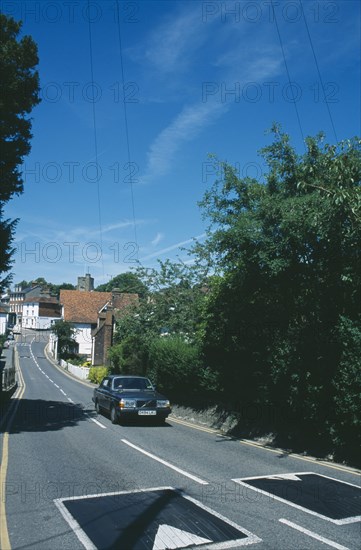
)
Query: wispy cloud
[
  {"x": 172, "y": 247},
  {"x": 171, "y": 44},
  {"x": 185, "y": 127},
  {"x": 44, "y": 233},
  {"x": 159, "y": 237}
]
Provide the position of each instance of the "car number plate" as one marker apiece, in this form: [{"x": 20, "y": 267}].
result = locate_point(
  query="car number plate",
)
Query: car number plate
[{"x": 147, "y": 413}]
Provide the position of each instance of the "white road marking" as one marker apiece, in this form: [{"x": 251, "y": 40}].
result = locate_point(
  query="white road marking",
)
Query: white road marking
[
  {"x": 168, "y": 464},
  {"x": 343, "y": 521},
  {"x": 56, "y": 385},
  {"x": 63, "y": 392},
  {"x": 313, "y": 535},
  {"x": 249, "y": 538},
  {"x": 171, "y": 537},
  {"x": 84, "y": 539},
  {"x": 96, "y": 421},
  {"x": 71, "y": 401}
]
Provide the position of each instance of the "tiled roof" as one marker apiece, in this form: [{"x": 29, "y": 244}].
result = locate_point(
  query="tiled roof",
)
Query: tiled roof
[
  {"x": 123, "y": 300},
  {"x": 81, "y": 306},
  {"x": 41, "y": 299}
]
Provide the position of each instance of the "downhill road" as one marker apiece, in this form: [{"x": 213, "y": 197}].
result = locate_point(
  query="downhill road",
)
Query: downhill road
[{"x": 172, "y": 486}]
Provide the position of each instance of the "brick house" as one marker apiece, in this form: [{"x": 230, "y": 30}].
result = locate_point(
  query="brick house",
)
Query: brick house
[{"x": 102, "y": 336}]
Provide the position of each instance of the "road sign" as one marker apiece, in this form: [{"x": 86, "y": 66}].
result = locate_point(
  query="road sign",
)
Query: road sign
[
  {"x": 322, "y": 496},
  {"x": 153, "y": 519}
]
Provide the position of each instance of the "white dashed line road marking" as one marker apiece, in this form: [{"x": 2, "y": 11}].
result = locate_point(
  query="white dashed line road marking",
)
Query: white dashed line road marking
[
  {"x": 313, "y": 535},
  {"x": 168, "y": 464},
  {"x": 63, "y": 392},
  {"x": 96, "y": 421}
]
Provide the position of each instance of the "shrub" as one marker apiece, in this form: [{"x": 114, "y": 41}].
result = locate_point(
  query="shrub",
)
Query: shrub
[
  {"x": 129, "y": 357},
  {"x": 173, "y": 364},
  {"x": 346, "y": 425},
  {"x": 96, "y": 374}
]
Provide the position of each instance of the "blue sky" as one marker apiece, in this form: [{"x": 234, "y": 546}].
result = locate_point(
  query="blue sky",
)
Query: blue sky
[{"x": 200, "y": 77}]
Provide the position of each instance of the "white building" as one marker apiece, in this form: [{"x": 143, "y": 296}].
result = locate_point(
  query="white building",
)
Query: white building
[
  {"x": 39, "y": 313},
  {"x": 81, "y": 308},
  {"x": 4, "y": 316}
]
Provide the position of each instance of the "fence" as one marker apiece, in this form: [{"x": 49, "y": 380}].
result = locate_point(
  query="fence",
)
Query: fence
[
  {"x": 79, "y": 372},
  {"x": 7, "y": 372}
]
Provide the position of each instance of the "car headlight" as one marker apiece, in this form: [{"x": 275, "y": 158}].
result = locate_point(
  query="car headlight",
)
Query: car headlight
[
  {"x": 127, "y": 403},
  {"x": 163, "y": 403}
]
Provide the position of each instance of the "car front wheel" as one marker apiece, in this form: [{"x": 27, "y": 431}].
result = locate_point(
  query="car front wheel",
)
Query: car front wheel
[
  {"x": 97, "y": 407},
  {"x": 113, "y": 416}
]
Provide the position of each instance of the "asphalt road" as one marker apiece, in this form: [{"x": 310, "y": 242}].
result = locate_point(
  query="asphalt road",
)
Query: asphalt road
[{"x": 172, "y": 486}]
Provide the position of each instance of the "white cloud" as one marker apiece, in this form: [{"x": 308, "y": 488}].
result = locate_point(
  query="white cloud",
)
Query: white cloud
[
  {"x": 185, "y": 127},
  {"x": 172, "y": 247},
  {"x": 159, "y": 237},
  {"x": 172, "y": 43}
]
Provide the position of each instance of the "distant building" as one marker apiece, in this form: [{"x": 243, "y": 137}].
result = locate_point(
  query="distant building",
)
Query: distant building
[
  {"x": 112, "y": 310},
  {"x": 86, "y": 283},
  {"x": 81, "y": 308},
  {"x": 40, "y": 312},
  {"x": 4, "y": 318},
  {"x": 17, "y": 298}
]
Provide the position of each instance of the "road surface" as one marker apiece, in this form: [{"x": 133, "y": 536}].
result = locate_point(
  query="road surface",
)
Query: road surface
[{"x": 72, "y": 480}]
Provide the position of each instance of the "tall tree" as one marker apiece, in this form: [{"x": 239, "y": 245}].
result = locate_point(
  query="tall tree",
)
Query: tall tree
[
  {"x": 282, "y": 316},
  {"x": 19, "y": 94}
]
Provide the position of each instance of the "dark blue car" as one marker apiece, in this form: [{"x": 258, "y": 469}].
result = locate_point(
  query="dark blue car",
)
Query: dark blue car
[{"x": 130, "y": 397}]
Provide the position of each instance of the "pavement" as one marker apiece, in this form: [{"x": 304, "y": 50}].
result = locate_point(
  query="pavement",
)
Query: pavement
[{"x": 6, "y": 363}]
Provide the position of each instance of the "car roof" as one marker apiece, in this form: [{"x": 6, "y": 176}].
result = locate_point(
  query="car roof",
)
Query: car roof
[{"x": 125, "y": 376}]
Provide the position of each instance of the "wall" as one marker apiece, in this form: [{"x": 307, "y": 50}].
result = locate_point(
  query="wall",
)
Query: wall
[
  {"x": 3, "y": 322},
  {"x": 79, "y": 372},
  {"x": 83, "y": 337}
]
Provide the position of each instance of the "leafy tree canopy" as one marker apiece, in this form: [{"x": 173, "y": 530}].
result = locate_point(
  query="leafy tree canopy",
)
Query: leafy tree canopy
[
  {"x": 128, "y": 282},
  {"x": 65, "y": 333},
  {"x": 286, "y": 254},
  {"x": 20, "y": 93},
  {"x": 53, "y": 288}
]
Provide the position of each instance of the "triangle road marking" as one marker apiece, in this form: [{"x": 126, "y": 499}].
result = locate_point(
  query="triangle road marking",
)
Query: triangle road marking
[{"x": 169, "y": 537}]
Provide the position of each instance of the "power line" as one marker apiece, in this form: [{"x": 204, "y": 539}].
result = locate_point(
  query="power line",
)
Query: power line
[
  {"x": 318, "y": 71},
  {"x": 95, "y": 136},
  {"x": 130, "y": 176},
  {"x": 288, "y": 73}
]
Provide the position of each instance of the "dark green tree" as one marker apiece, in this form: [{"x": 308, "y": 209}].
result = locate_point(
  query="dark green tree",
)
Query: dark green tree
[
  {"x": 171, "y": 309},
  {"x": 126, "y": 282},
  {"x": 286, "y": 253},
  {"x": 65, "y": 333},
  {"x": 19, "y": 95}
]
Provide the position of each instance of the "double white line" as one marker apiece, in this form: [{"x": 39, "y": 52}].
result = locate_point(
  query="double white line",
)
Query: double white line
[{"x": 9, "y": 417}]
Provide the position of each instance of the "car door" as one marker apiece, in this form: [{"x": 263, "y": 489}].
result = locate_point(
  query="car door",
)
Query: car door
[{"x": 103, "y": 393}]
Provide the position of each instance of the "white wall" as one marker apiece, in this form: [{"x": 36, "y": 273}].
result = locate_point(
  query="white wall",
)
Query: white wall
[
  {"x": 79, "y": 372},
  {"x": 3, "y": 322},
  {"x": 31, "y": 319},
  {"x": 84, "y": 338}
]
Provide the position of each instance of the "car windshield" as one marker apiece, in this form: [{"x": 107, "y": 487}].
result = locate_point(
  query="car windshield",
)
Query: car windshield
[{"x": 133, "y": 384}]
